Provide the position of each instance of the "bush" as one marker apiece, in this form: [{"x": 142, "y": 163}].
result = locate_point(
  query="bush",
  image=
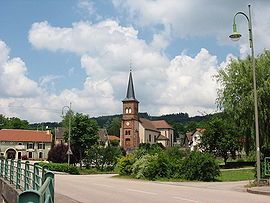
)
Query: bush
[
  {"x": 103, "y": 158},
  {"x": 145, "y": 167},
  {"x": 58, "y": 154},
  {"x": 124, "y": 164},
  {"x": 152, "y": 167},
  {"x": 200, "y": 166},
  {"x": 61, "y": 168}
]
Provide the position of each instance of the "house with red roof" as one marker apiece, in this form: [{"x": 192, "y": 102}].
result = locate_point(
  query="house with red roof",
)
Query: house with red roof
[{"x": 25, "y": 144}]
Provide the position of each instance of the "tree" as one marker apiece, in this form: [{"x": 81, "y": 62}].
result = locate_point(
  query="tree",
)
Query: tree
[
  {"x": 220, "y": 138},
  {"x": 13, "y": 123},
  {"x": 114, "y": 126},
  {"x": 83, "y": 134},
  {"x": 58, "y": 154},
  {"x": 236, "y": 98},
  {"x": 102, "y": 157}
]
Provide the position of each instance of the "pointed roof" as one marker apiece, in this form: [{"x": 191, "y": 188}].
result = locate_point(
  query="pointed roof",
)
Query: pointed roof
[{"x": 130, "y": 90}]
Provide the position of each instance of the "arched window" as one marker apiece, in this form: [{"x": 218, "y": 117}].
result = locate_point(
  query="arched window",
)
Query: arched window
[
  {"x": 129, "y": 110},
  {"x": 127, "y": 132},
  {"x": 126, "y": 110},
  {"x": 40, "y": 155}
]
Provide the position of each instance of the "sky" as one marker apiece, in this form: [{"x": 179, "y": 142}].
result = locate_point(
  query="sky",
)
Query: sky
[{"x": 80, "y": 51}]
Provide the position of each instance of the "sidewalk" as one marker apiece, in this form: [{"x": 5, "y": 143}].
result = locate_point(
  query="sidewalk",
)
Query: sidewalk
[{"x": 264, "y": 190}]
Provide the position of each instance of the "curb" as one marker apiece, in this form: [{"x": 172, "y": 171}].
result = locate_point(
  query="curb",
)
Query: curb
[{"x": 259, "y": 192}]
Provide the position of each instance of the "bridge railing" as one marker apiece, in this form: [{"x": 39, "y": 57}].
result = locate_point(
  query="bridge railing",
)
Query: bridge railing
[
  {"x": 35, "y": 182},
  {"x": 267, "y": 166}
]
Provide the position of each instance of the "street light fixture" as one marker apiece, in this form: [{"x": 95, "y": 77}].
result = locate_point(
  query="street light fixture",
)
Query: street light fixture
[
  {"x": 235, "y": 36},
  {"x": 69, "y": 152}
]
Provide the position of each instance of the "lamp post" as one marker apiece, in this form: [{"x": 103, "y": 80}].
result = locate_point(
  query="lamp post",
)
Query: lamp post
[
  {"x": 236, "y": 36},
  {"x": 69, "y": 152}
]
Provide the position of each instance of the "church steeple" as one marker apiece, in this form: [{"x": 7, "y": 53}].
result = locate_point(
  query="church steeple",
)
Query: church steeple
[
  {"x": 129, "y": 133},
  {"x": 130, "y": 90}
]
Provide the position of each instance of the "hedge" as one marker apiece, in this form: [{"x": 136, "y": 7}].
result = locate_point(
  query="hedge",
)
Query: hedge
[{"x": 61, "y": 167}]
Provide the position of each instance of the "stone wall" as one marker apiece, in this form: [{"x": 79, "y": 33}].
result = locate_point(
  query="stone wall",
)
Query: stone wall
[{"x": 8, "y": 194}]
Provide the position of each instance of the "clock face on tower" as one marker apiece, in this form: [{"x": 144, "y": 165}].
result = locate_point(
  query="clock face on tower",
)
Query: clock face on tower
[{"x": 127, "y": 123}]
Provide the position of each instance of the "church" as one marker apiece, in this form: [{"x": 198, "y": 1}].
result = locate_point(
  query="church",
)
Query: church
[{"x": 135, "y": 130}]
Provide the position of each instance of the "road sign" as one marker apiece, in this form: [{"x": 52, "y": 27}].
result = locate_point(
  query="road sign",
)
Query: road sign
[{"x": 69, "y": 152}]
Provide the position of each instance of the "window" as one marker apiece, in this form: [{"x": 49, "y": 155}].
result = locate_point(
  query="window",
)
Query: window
[
  {"x": 40, "y": 155},
  {"x": 41, "y": 145},
  {"x": 30, "y": 145},
  {"x": 30, "y": 155},
  {"x": 128, "y": 110},
  {"x": 150, "y": 138},
  {"x": 19, "y": 143},
  {"x": 19, "y": 155},
  {"x": 127, "y": 132}
]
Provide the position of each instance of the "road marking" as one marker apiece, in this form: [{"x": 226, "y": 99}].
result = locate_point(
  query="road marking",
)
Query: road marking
[
  {"x": 189, "y": 200},
  {"x": 141, "y": 191}
]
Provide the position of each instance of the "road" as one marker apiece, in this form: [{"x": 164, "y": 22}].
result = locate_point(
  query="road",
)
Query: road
[{"x": 104, "y": 188}]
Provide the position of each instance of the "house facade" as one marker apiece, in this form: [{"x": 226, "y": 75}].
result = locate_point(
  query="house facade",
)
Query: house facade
[
  {"x": 194, "y": 139},
  {"x": 135, "y": 130},
  {"x": 25, "y": 144}
]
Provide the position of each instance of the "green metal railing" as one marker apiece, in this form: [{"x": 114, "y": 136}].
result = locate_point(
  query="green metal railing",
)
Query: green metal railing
[
  {"x": 267, "y": 166},
  {"x": 35, "y": 182}
]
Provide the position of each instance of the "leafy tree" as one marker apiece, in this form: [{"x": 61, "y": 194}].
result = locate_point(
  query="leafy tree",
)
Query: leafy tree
[
  {"x": 58, "y": 154},
  {"x": 220, "y": 138},
  {"x": 114, "y": 126},
  {"x": 236, "y": 97},
  {"x": 102, "y": 157},
  {"x": 13, "y": 123},
  {"x": 83, "y": 134}
]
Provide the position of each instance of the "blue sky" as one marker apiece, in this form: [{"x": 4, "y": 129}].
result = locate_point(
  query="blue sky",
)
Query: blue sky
[{"x": 56, "y": 52}]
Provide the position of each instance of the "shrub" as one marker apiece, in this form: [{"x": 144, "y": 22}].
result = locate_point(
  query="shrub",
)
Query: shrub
[
  {"x": 103, "y": 158},
  {"x": 124, "y": 164},
  {"x": 58, "y": 154},
  {"x": 152, "y": 166},
  {"x": 145, "y": 167},
  {"x": 61, "y": 167},
  {"x": 200, "y": 166}
]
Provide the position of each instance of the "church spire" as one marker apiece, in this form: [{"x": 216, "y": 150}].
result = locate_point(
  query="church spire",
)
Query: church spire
[{"x": 130, "y": 90}]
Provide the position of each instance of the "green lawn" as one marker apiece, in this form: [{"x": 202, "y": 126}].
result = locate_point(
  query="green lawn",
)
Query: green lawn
[{"x": 236, "y": 175}]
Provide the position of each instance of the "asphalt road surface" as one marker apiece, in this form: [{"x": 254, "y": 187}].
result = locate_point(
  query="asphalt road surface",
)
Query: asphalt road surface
[{"x": 104, "y": 188}]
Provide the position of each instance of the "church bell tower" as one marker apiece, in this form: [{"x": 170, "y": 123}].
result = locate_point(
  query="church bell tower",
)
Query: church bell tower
[{"x": 129, "y": 132}]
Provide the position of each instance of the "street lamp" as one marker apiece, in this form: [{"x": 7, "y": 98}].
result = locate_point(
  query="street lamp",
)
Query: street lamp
[
  {"x": 69, "y": 152},
  {"x": 236, "y": 36}
]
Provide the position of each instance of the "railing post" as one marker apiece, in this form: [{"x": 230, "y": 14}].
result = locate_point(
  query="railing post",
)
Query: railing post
[
  {"x": 44, "y": 168},
  {"x": 11, "y": 171},
  {"x": 26, "y": 175},
  {"x": 18, "y": 174},
  {"x": 35, "y": 177},
  {"x": 6, "y": 169},
  {"x": 2, "y": 167},
  {"x": 50, "y": 175},
  {"x": 29, "y": 196}
]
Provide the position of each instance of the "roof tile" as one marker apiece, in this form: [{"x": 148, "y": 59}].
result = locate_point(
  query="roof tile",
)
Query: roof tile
[{"x": 25, "y": 135}]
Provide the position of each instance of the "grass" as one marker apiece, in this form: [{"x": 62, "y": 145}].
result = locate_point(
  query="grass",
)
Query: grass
[
  {"x": 236, "y": 175},
  {"x": 225, "y": 176}
]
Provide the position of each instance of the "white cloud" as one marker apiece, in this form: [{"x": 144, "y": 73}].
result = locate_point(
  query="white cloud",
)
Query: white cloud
[
  {"x": 81, "y": 38},
  {"x": 183, "y": 84},
  {"x": 13, "y": 76},
  {"x": 189, "y": 19}
]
